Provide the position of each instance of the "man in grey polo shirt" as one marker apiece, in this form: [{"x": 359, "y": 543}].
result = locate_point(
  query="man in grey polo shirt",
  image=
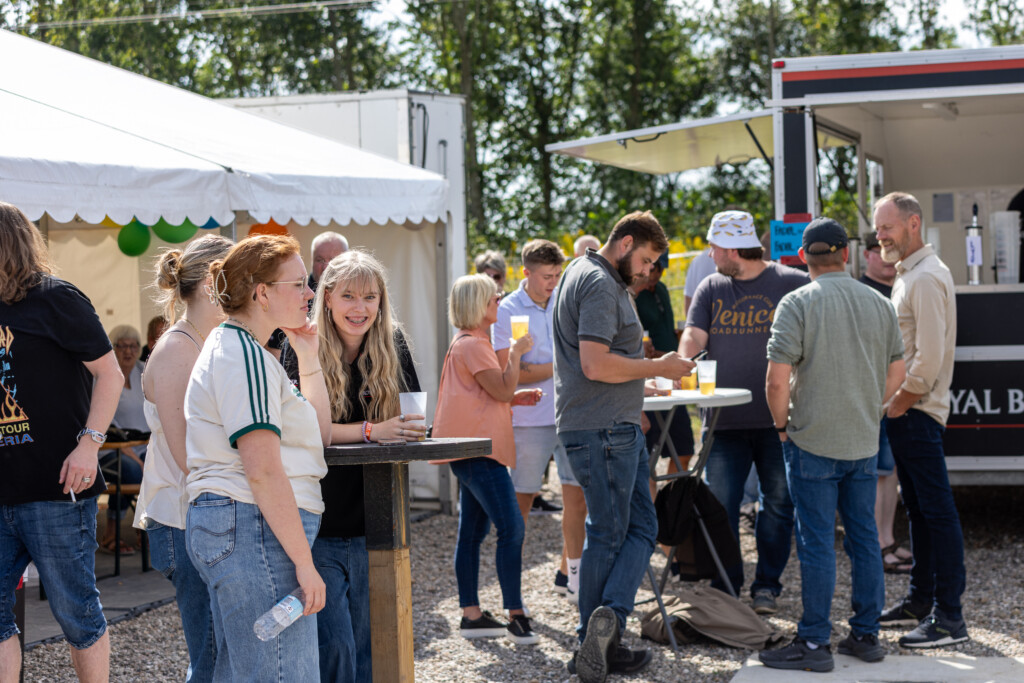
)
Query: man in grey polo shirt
[
  {"x": 835, "y": 357},
  {"x": 599, "y": 377}
]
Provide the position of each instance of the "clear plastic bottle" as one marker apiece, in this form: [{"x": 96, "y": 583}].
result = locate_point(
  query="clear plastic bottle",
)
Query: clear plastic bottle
[{"x": 280, "y": 616}]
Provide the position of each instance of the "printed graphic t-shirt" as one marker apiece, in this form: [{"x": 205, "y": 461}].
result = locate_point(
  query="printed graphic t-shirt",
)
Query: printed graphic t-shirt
[
  {"x": 45, "y": 390},
  {"x": 738, "y": 315}
]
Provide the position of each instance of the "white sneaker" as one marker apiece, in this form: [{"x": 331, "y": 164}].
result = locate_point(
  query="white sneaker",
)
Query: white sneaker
[{"x": 572, "y": 596}]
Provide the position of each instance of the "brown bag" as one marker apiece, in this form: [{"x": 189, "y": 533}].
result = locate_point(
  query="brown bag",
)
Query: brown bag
[{"x": 699, "y": 611}]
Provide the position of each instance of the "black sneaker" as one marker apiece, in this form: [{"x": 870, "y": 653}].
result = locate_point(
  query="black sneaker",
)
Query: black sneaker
[
  {"x": 561, "y": 582},
  {"x": 865, "y": 648},
  {"x": 602, "y": 638},
  {"x": 484, "y": 627},
  {"x": 764, "y": 602},
  {"x": 543, "y": 507},
  {"x": 623, "y": 661},
  {"x": 935, "y": 630},
  {"x": 519, "y": 631},
  {"x": 799, "y": 656},
  {"x": 906, "y": 613}
]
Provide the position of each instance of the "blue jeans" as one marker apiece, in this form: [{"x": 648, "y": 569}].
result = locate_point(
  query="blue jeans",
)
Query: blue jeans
[
  {"x": 486, "y": 496},
  {"x": 611, "y": 466},
  {"x": 938, "y": 576},
  {"x": 819, "y": 487},
  {"x": 247, "y": 572},
  {"x": 343, "y": 625},
  {"x": 60, "y": 537},
  {"x": 728, "y": 466},
  {"x": 170, "y": 557},
  {"x": 131, "y": 473},
  {"x": 886, "y": 463}
]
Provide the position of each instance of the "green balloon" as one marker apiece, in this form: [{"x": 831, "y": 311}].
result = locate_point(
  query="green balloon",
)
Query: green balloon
[
  {"x": 133, "y": 239},
  {"x": 174, "y": 233}
]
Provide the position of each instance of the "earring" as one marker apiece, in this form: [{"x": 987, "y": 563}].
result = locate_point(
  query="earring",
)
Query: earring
[{"x": 266, "y": 308}]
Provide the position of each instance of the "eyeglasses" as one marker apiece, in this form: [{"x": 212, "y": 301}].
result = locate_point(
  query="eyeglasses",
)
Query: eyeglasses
[
  {"x": 126, "y": 347},
  {"x": 288, "y": 282}
]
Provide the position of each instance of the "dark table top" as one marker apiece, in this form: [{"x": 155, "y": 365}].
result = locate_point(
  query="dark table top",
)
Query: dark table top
[{"x": 431, "y": 449}]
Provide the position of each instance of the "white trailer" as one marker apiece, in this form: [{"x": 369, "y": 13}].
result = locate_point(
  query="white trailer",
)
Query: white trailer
[
  {"x": 418, "y": 128},
  {"x": 944, "y": 125}
]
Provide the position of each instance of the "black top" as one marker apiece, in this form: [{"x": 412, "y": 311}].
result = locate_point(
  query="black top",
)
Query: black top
[
  {"x": 45, "y": 389},
  {"x": 885, "y": 289},
  {"x": 342, "y": 488}
]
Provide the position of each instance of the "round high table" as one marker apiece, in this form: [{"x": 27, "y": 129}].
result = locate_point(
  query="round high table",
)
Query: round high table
[
  {"x": 386, "y": 487},
  {"x": 665, "y": 407}
]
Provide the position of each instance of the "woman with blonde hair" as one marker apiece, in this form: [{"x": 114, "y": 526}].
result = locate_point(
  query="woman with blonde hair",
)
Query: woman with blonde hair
[
  {"x": 255, "y": 454},
  {"x": 366, "y": 363},
  {"x": 475, "y": 399},
  {"x": 183, "y": 276}
]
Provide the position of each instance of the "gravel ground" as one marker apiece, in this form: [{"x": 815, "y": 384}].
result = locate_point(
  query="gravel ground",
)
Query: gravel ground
[{"x": 151, "y": 647}]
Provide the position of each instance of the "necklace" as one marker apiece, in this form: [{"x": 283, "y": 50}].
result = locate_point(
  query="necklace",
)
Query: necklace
[
  {"x": 201, "y": 337},
  {"x": 243, "y": 326}
]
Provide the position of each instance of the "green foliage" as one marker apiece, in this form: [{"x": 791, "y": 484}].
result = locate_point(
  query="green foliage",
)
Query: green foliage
[{"x": 1000, "y": 21}]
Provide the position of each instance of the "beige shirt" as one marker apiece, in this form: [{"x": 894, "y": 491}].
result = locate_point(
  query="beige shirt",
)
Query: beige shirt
[
  {"x": 162, "y": 497},
  {"x": 925, "y": 301},
  {"x": 237, "y": 387}
]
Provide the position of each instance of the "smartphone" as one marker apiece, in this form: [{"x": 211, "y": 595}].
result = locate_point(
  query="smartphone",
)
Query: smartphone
[{"x": 698, "y": 356}]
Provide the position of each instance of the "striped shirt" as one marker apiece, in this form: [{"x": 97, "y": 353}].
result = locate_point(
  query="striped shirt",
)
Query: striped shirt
[{"x": 236, "y": 388}]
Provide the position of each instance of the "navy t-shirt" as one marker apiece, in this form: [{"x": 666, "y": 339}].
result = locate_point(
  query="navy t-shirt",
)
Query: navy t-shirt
[
  {"x": 342, "y": 489},
  {"x": 45, "y": 389},
  {"x": 737, "y": 315}
]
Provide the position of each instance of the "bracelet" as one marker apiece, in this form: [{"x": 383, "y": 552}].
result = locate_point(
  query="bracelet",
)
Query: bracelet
[
  {"x": 367, "y": 427},
  {"x": 310, "y": 374},
  {"x": 782, "y": 429}
]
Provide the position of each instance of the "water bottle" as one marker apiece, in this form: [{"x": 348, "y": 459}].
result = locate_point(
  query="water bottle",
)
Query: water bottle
[{"x": 280, "y": 616}]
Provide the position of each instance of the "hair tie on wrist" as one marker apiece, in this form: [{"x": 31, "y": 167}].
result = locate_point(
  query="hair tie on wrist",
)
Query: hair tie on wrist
[{"x": 367, "y": 427}]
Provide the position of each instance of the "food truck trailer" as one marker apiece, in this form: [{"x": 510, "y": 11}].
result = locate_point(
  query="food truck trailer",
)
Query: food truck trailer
[{"x": 944, "y": 125}]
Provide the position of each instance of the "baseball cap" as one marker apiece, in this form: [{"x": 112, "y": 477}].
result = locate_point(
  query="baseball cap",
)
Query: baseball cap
[
  {"x": 870, "y": 241},
  {"x": 663, "y": 260},
  {"x": 824, "y": 236},
  {"x": 733, "y": 230}
]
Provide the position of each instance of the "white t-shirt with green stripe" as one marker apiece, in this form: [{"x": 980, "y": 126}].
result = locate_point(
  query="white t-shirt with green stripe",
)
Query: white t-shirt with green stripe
[{"x": 237, "y": 387}]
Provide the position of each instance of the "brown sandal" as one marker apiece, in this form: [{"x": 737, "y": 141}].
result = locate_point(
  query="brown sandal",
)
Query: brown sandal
[{"x": 898, "y": 565}]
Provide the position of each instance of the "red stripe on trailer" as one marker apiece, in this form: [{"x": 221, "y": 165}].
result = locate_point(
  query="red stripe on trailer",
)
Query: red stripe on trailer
[
  {"x": 904, "y": 70},
  {"x": 797, "y": 218}
]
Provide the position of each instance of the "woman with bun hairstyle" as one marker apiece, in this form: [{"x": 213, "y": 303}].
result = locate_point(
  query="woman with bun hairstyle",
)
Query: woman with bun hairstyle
[
  {"x": 475, "y": 399},
  {"x": 255, "y": 454},
  {"x": 366, "y": 363},
  {"x": 183, "y": 276}
]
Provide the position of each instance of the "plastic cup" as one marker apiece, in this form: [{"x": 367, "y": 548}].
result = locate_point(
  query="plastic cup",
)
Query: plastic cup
[
  {"x": 414, "y": 403},
  {"x": 706, "y": 373},
  {"x": 689, "y": 382},
  {"x": 520, "y": 326},
  {"x": 663, "y": 384}
]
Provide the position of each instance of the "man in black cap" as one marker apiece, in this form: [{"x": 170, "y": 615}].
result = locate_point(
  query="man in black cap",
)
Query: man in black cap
[{"x": 828, "y": 418}]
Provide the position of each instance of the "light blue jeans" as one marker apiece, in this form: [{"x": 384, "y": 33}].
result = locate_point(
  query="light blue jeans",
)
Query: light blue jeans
[
  {"x": 170, "y": 557},
  {"x": 819, "y": 487},
  {"x": 343, "y": 625},
  {"x": 611, "y": 467},
  {"x": 247, "y": 572}
]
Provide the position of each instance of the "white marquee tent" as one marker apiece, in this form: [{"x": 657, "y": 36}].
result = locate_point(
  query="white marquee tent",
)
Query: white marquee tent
[{"x": 83, "y": 141}]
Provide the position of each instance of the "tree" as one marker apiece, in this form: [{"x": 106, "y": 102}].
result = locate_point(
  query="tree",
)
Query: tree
[{"x": 1000, "y": 21}]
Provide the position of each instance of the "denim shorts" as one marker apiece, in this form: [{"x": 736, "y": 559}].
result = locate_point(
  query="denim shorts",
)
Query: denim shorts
[
  {"x": 886, "y": 464},
  {"x": 60, "y": 537},
  {"x": 534, "y": 447}
]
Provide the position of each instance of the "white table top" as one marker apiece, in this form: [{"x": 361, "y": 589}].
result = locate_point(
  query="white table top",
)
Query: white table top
[{"x": 721, "y": 397}]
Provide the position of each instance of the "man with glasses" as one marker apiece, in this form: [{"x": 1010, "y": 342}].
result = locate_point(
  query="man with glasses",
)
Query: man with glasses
[
  {"x": 492, "y": 264},
  {"x": 326, "y": 246}
]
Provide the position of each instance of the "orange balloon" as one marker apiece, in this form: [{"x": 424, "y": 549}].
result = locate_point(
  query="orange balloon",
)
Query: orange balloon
[{"x": 269, "y": 228}]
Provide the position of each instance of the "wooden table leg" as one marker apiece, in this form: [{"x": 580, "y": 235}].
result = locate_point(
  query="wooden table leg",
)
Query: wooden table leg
[{"x": 386, "y": 489}]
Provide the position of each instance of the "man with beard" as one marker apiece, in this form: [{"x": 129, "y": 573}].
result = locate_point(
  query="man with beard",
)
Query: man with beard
[
  {"x": 731, "y": 316},
  {"x": 925, "y": 302},
  {"x": 599, "y": 376}
]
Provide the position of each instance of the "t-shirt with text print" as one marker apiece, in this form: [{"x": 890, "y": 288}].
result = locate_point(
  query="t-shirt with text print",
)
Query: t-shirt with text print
[{"x": 738, "y": 315}]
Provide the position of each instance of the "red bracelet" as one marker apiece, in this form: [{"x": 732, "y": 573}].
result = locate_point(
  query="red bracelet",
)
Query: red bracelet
[{"x": 366, "y": 431}]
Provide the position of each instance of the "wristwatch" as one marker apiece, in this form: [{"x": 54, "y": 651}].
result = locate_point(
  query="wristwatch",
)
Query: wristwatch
[{"x": 98, "y": 437}]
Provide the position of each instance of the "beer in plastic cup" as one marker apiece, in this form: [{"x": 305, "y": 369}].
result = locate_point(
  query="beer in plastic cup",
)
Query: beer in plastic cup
[
  {"x": 706, "y": 372},
  {"x": 414, "y": 403},
  {"x": 663, "y": 384},
  {"x": 689, "y": 381},
  {"x": 520, "y": 326}
]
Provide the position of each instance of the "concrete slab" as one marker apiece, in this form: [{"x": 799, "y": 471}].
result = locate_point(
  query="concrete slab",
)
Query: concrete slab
[
  {"x": 122, "y": 596},
  {"x": 896, "y": 669}
]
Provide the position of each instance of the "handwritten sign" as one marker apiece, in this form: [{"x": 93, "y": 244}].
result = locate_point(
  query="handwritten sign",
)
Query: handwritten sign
[{"x": 787, "y": 238}]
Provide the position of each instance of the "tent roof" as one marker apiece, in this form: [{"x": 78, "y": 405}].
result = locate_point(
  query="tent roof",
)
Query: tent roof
[{"x": 95, "y": 140}]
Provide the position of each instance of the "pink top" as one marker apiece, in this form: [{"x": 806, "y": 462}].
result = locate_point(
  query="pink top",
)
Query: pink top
[{"x": 464, "y": 408}]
